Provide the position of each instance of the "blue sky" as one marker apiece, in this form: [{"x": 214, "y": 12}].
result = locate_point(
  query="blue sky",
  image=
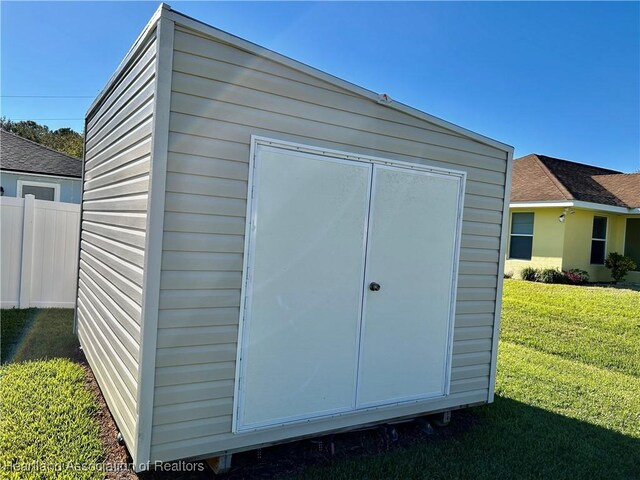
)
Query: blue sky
[{"x": 560, "y": 79}]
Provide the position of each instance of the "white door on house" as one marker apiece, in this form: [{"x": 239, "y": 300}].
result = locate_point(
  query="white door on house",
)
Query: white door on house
[
  {"x": 409, "y": 281},
  {"x": 348, "y": 286}
]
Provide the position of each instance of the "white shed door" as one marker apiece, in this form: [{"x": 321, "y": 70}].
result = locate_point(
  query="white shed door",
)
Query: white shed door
[
  {"x": 319, "y": 337},
  {"x": 304, "y": 287},
  {"x": 410, "y": 256}
]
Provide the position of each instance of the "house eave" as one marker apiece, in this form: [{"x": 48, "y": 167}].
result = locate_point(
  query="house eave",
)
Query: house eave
[
  {"x": 601, "y": 207},
  {"x": 37, "y": 174}
]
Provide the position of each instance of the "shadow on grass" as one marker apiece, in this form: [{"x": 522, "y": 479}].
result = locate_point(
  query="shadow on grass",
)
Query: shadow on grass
[
  {"x": 36, "y": 334},
  {"x": 618, "y": 286},
  {"x": 517, "y": 440}
]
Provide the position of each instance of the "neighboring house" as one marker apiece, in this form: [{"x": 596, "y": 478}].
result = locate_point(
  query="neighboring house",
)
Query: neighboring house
[
  {"x": 569, "y": 215},
  {"x": 27, "y": 167}
]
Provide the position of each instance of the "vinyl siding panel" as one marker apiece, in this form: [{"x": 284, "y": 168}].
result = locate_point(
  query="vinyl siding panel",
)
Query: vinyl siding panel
[
  {"x": 135, "y": 238},
  {"x": 227, "y": 104},
  {"x": 134, "y": 149},
  {"x": 115, "y": 195},
  {"x": 269, "y": 77},
  {"x": 185, "y": 412},
  {"x": 198, "y": 317},
  {"x": 133, "y": 221},
  {"x": 314, "y": 134},
  {"x": 110, "y": 276},
  {"x": 473, "y": 319},
  {"x": 204, "y": 372},
  {"x": 117, "y": 320},
  {"x": 222, "y": 95}
]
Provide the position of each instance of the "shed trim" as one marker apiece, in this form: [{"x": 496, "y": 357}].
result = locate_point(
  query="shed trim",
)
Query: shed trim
[
  {"x": 244, "y": 281},
  {"x": 315, "y": 150},
  {"x": 131, "y": 55},
  {"x": 153, "y": 238},
  {"x": 501, "y": 260},
  {"x": 84, "y": 159}
]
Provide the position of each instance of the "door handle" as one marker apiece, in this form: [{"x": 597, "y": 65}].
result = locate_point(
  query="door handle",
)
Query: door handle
[{"x": 374, "y": 287}]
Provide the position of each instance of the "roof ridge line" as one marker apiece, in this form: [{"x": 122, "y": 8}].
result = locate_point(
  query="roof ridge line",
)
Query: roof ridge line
[
  {"x": 41, "y": 145},
  {"x": 558, "y": 184},
  {"x": 612, "y": 172}
]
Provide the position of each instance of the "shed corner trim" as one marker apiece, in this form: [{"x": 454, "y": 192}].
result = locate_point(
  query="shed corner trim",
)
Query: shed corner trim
[
  {"x": 154, "y": 236},
  {"x": 501, "y": 260}
]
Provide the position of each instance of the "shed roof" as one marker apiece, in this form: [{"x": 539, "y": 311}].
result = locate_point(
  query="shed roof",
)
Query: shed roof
[
  {"x": 21, "y": 155},
  {"x": 541, "y": 178}
]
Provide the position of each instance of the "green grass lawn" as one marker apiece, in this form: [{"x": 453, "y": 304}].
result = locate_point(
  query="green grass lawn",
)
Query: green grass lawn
[
  {"x": 567, "y": 397},
  {"x": 47, "y": 415},
  {"x": 591, "y": 325},
  {"x": 47, "y": 422}
]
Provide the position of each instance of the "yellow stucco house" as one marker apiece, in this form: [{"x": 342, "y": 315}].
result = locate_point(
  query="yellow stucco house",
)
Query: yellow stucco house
[{"x": 568, "y": 215}]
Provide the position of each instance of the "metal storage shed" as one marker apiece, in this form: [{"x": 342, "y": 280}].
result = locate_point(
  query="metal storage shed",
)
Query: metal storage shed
[{"x": 269, "y": 252}]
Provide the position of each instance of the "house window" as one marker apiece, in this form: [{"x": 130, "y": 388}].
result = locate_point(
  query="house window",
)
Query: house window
[
  {"x": 521, "y": 238},
  {"x": 632, "y": 240},
  {"x": 41, "y": 190},
  {"x": 598, "y": 240}
]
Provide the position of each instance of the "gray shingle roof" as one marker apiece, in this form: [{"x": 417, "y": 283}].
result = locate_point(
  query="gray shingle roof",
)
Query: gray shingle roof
[
  {"x": 21, "y": 155},
  {"x": 541, "y": 178}
]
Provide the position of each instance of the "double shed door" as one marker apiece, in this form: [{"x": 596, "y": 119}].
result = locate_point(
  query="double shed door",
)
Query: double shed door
[{"x": 348, "y": 293}]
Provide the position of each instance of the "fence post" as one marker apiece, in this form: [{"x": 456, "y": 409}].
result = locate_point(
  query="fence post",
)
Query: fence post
[{"x": 27, "y": 251}]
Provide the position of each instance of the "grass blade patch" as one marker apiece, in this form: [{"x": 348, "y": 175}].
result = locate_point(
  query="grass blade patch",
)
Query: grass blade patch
[{"x": 47, "y": 422}]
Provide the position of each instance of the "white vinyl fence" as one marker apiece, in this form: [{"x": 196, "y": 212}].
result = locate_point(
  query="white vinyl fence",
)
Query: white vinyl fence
[{"x": 38, "y": 252}]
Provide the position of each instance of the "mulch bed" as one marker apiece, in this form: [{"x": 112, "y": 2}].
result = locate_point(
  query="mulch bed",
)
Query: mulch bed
[{"x": 286, "y": 459}]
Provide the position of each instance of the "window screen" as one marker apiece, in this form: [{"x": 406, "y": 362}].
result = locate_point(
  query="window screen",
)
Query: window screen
[
  {"x": 521, "y": 239},
  {"x": 41, "y": 193},
  {"x": 598, "y": 240}
]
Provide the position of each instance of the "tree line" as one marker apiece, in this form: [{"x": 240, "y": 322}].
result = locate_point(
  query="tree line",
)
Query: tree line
[{"x": 64, "y": 140}]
